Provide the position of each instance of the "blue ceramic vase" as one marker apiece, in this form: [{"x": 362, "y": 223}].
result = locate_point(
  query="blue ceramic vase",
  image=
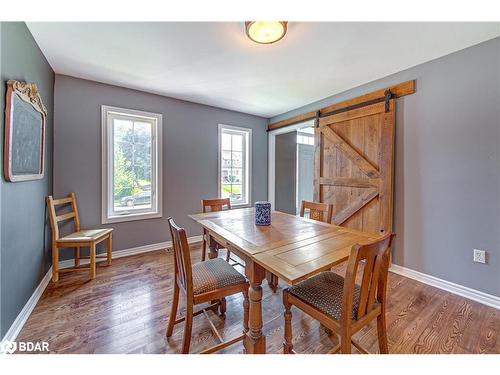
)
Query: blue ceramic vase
[{"x": 262, "y": 213}]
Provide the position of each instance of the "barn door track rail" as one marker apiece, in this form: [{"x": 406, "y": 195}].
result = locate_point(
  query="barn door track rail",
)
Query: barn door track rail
[{"x": 375, "y": 97}]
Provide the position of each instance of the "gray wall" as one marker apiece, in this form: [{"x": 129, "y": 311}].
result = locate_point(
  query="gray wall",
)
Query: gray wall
[
  {"x": 25, "y": 250},
  {"x": 447, "y": 172},
  {"x": 286, "y": 172},
  {"x": 189, "y": 154}
]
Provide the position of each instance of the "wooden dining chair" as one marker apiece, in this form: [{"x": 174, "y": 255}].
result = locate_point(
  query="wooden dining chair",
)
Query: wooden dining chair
[
  {"x": 77, "y": 239},
  {"x": 203, "y": 282},
  {"x": 213, "y": 205},
  {"x": 317, "y": 211},
  {"x": 341, "y": 305}
]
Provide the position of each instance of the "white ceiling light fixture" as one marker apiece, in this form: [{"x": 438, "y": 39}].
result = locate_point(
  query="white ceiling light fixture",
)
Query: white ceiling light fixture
[{"x": 266, "y": 32}]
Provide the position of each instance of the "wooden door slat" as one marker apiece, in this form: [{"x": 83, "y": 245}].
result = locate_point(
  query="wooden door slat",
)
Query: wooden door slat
[
  {"x": 350, "y": 152},
  {"x": 387, "y": 165},
  {"x": 351, "y": 182},
  {"x": 355, "y": 206},
  {"x": 318, "y": 169},
  {"x": 353, "y": 114}
]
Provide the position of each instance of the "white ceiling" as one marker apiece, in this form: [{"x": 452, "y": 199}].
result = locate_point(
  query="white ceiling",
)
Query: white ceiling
[{"x": 216, "y": 64}]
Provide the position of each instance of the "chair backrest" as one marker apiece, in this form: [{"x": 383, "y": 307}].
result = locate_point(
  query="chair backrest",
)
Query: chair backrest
[
  {"x": 210, "y": 205},
  {"x": 373, "y": 286},
  {"x": 53, "y": 205},
  {"x": 317, "y": 211},
  {"x": 182, "y": 257}
]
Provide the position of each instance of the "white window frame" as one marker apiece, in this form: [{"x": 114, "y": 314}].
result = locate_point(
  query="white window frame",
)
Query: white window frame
[
  {"x": 108, "y": 214},
  {"x": 247, "y": 132}
]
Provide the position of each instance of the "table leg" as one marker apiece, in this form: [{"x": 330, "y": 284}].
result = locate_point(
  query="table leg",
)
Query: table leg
[
  {"x": 213, "y": 249},
  {"x": 255, "y": 341},
  {"x": 272, "y": 280}
]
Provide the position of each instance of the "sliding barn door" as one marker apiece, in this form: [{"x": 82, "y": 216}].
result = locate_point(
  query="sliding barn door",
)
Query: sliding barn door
[{"x": 353, "y": 165}]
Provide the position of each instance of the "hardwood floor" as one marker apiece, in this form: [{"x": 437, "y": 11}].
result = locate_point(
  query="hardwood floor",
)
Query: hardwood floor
[{"x": 125, "y": 310}]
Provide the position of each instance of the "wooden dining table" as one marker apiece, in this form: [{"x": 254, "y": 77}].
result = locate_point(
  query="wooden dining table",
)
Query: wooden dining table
[{"x": 292, "y": 248}]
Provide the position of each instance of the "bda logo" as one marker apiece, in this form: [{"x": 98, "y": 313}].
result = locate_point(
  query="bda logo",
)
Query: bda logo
[{"x": 8, "y": 347}]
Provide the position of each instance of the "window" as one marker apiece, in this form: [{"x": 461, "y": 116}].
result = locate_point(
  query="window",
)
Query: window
[
  {"x": 305, "y": 135},
  {"x": 235, "y": 146},
  {"x": 305, "y": 139},
  {"x": 131, "y": 170}
]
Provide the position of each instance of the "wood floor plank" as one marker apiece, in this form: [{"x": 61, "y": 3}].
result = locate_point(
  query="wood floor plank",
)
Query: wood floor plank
[
  {"x": 125, "y": 310},
  {"x": 488, "y": 341}
]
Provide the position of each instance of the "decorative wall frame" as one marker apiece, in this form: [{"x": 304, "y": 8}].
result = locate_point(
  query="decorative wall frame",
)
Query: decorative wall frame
[{"x": 24, "y": 140}]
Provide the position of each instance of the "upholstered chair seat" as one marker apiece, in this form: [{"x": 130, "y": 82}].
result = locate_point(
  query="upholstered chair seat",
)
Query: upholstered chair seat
[
  {"x": 214, "y": 274},
  {"x": 324, "y": 292}
]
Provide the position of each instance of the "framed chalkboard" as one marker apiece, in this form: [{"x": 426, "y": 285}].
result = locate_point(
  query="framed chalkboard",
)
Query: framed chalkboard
[{"x": 24, "y": 141}]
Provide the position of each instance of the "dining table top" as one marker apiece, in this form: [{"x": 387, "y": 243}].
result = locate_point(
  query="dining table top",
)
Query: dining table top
[{"x": 291, "y": 247}]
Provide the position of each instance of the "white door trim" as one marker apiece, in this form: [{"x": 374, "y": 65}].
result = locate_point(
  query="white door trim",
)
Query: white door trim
[{"x": 271, "y": 187}]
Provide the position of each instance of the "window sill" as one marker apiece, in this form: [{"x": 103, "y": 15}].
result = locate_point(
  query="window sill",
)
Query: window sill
[{"x": 131, "y": 217}]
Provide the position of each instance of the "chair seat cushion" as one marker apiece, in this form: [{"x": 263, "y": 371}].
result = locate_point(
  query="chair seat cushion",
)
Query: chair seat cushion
[
  {"x": 324, "y": 292},
  {"x": 85, "y": 235},
  {"x": 214, "y": 274}
]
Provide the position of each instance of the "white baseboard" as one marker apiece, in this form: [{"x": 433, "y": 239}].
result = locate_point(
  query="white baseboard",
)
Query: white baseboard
[
  {"x": 475, "y": 295},
  {"x": 23, "y": 316},
  {"x": 132, "y": 251}
]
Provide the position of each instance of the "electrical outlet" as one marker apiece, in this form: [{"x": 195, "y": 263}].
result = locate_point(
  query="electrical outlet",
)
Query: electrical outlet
[{"x": 479, "y": 256}]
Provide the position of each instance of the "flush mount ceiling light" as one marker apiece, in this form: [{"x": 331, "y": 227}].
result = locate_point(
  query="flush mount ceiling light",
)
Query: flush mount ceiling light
[{"x": 265, "y": 32}]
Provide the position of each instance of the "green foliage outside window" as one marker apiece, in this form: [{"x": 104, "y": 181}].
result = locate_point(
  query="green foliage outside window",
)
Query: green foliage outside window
[
  {"x": 132, "y": 162},
  {"x": 124, "y": 178}
]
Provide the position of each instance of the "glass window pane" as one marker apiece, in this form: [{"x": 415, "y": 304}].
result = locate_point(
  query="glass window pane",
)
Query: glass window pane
[
  {"x": 142, "y": 154},
  {"x": 236, "y": 175},
  {"x": 122, "y": 130},
  {"x": 123, "y": 176},
  {"x": 236, "y": 158},
  {"x": 225, "y": 175},
  {"x": 123, "y": 149},
  {"x": 226, "y": 141},
  {"x": 237, "y": 144},
  {"x": 236, "y": 193},
  {"x": 132, "y": 178},
  {"x": 143, "y": 177},
  {"x": 226, "y": 159},
  {"x": 226, "y": 191},
  {"x": 142, "y": 132},
  {"x": 231, "y": 177}
]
